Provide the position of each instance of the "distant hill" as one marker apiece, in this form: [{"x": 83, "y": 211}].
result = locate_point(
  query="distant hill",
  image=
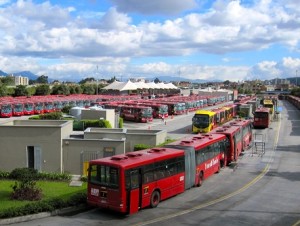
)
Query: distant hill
[
  {"x": 2, "y": 73},
  {"x": 28, "y": 74},
  {"x": 181, "y": 79}
]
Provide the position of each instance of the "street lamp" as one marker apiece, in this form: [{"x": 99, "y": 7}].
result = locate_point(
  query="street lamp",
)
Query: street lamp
[
  {"x": 296, "y": 78},
  {"x": 97, "y": 80}
]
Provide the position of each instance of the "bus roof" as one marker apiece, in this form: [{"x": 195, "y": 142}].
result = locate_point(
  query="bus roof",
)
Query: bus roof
[
  {"x": 262, "y": 109},
  {"x": 226, "y": 129},
  {"x": 138, "y": 158},
  {"x": 198, "y": 141},
  {"x": 239, "y": 122},
  {"x": 205, "y": 112}
]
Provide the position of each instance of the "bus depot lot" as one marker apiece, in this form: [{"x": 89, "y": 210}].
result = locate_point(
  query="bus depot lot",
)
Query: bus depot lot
[
  {"x": 258, "y": 190},
  {"x": 223, "y": 191}
]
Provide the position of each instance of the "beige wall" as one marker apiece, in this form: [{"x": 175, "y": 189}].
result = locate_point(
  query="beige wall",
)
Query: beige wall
[
  {"x": 76, "y": 151},
  {"x": 133, "y": 136},
  {"x": 107, "y": 114},
  {"x": 14, "y": 141},
  {"x": 61, "y": 149}
]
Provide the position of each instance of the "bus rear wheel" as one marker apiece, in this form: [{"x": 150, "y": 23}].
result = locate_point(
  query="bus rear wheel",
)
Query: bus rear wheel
[{"x": 155, "y": 199}]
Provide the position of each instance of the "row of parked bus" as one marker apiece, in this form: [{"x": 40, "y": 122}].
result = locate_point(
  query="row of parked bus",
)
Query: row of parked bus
[
  {"x": 140, "y": 110},
  {"x": 129, "y": 182},
  {"x": 206, "y": 120}
]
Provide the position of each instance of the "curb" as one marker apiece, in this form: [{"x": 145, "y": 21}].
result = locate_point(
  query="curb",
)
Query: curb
[{"x": 64, "y": 211}]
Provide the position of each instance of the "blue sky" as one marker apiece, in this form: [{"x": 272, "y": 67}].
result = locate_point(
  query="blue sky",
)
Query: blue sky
[{"x": 196, "y": 39}]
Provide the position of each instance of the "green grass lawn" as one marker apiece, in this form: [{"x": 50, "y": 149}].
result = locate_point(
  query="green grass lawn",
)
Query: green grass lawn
[{"x": 49, "y": 189}]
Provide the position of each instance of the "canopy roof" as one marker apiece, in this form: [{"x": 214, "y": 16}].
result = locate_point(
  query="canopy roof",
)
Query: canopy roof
[{"x": 122, "y": 86}]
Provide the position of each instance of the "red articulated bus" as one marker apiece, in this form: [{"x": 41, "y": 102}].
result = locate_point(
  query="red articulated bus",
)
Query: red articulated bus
[
  {"x": 5, "y": 110},
  {"x": 262, "y": 118},
  {"x": 136, "y": 113},
  {"x": 38, "y": 107},
  {"x": 17, "y": 109},
  {"x": 206, "y": 158},
  {"x": 48, "y": 107},
  {"x": 125, "y": 183},
  {"x": 129, "y": 182},
  {"x": 246, "y": 127},
  {"x": 234, "y": 135},
  {"x": 158, "y": 110},
  {"x": 28, "y": 108}
]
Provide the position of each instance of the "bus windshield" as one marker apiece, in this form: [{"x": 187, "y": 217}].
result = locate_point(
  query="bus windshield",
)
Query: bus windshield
[
  {"x": 104, "y": 175},
  {"x": 18, "y": 107},
  {"x": 201, "y": 121},
  {"x": 6, "y": 108},
  {"x": 163, "y": 109},
  {"x": 147, "y": 112},
  {"x": 28, "y": 106}
]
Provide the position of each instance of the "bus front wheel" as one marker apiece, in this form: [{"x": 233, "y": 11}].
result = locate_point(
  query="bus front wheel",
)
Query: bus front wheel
[{"x": 155, "y": 199}]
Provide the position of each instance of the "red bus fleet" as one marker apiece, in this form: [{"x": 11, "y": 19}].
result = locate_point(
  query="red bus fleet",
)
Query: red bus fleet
[{"x": 132, "y": 181}]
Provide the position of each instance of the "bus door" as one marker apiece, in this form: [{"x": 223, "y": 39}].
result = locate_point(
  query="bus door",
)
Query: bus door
[{"x": 135, "y": 191}]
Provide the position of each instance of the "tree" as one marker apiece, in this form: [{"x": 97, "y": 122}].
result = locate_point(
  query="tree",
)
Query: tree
[
  {"x": 156, "y": 80},
  {"x": 31, "y": 90},
  {"x": 8, "y": 80},
  {"x": 90, "y": 79},
  {"x": 112, "y": 79},
  {"x": 78, "y": 90},
  {"x": 3, "y": 90},
  {"x": 60, "y": 89},
  {"x": 43, "y": 79},
  {"x": 42, "y": 90},
  {"x": 20, "y": 90},
  {"x": 88, "y": 89}
]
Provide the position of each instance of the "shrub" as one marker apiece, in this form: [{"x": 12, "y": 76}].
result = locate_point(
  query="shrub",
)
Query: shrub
[
  {"x": 24, "y": 174},
  {"x": 4, "y": 175},
  {"x": 26, "y": 190},
  {"x": 46, "y": 205},
  {"x": 35, "y": 117},
  {"x": 52, "y": 116},
  {"x": 66, "y": 109},
  {"x": 138, "y": 147},
  {"x": 54, "y": 176},
  {"x": 121, "y": 122}
]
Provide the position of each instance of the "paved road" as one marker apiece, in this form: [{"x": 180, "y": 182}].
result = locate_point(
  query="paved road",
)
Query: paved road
[{"x": 259, "y": 190}]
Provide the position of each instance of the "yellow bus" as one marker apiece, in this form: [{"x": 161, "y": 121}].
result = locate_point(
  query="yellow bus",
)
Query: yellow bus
[
  {"x": 204, "y": 121},
  {"x": 269, "y": 104}
]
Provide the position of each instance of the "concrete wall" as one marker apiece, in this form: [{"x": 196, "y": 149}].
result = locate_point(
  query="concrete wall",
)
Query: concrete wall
[
  {"x": 63, "y": 150},
  {"x": 15, "y": 139},
  {"x": 132, "y": 136},
  {"x": 78, "y": 151},
  {"x": 107, "y": 114}
]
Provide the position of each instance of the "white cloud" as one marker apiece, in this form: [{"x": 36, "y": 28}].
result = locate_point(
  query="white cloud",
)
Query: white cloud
[
  {"x": 265, "y": 70},
  {"x": 170, "y": 7},
  {"x": 30, "y": 32}
]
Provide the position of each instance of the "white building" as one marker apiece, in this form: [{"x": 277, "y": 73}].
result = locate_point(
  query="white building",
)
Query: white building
[{"x": 19, "y": 80}]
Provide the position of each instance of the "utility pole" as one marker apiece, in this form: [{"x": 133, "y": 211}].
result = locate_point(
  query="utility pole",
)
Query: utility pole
[
  {"x": 296, "y": 77},
  {"x": 97, "y": 80}
]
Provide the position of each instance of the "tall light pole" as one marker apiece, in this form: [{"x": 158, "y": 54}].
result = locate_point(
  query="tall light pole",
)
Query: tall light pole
[
  {"x": 97, "y": 80},
  {"x": 296, "y": 78}
]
